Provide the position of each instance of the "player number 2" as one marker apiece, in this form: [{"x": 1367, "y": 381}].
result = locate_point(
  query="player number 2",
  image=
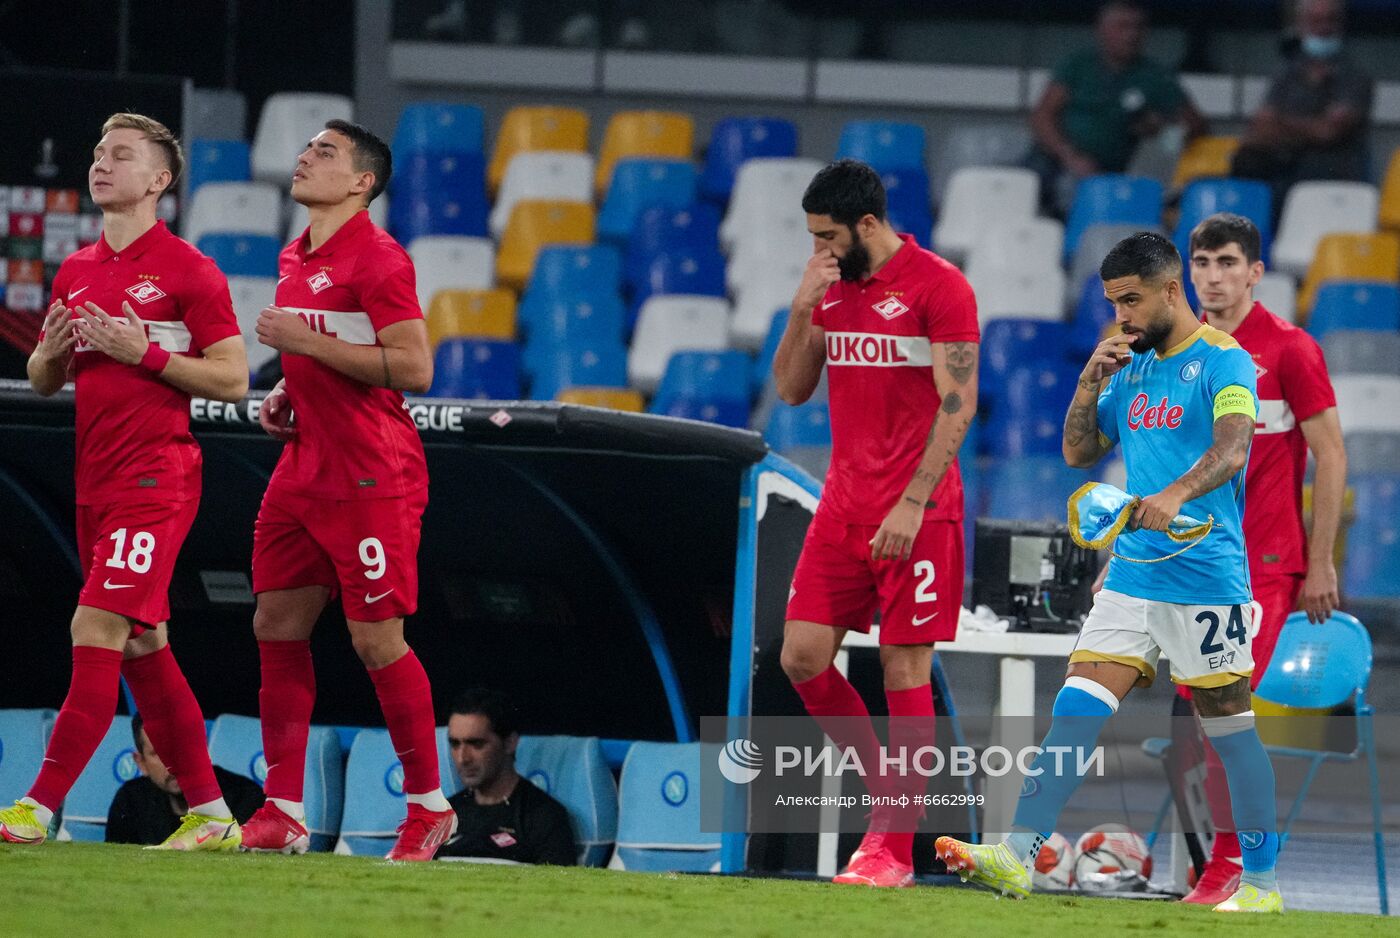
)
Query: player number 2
[
  {"x": 922, "y": 592},
  {"x": 1234, "y": 630},
  {"x": 372, "y": 556},
  {"x": 143, "y": 545}
]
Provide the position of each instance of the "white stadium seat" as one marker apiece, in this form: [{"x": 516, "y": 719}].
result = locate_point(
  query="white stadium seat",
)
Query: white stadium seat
[
  {"x": 1000, "y": 144},
  {"x": 251, "y": 295},
  {"x": 767, "y": 190},
  {"x": 1019, "y": 292},
  {"x": 755, "y": 261},
  {"x": 1314, "y": 209},
  {"x": 298, "y": 217},
  {"x": 976, "y": 194},
  {"x": 234, "y": 208},
  {"x": 755, "y": 306},
  {"x": 546, "y": 175},
  {"x": 1029, "y": 242},
  {"x": 1368, "y": 402},
  {"x": 673, "y": 323},
  {"x": 287, "y": 122},
  {"x": 452, "y": 262},
  {"x": 1279, "y": 294}
]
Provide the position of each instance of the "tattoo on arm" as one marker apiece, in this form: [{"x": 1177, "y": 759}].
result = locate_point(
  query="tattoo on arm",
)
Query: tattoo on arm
[
  {"x": 384, "y": 357},
  {"x": 1081, "y": 423},
  {"x": 1232, "y": 436},
  {"x": 952, "y": 403},
  {"x": 962, "y": 360}
]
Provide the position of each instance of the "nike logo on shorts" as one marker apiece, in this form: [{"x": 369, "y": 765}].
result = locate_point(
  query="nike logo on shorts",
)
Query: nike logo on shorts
[
  {"x": 919, "y": 621},
  {"x": 76, "y": 292},
  {"x": 375, "y": 599},
  {"x": 109, "y": 585},
  {"x": 829, "y": 305}
]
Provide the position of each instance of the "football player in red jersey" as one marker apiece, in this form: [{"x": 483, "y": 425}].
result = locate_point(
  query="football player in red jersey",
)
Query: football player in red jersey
[
  {"x": 343, "y": 509},
  {"x": 142, "y": 321},
  {"x": 896, "y": 328},
  {"x": 1297, "y": 413}
]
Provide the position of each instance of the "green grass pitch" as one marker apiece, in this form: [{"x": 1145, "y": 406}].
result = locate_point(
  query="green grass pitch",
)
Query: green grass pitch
[{"x": 76, "y": 890}]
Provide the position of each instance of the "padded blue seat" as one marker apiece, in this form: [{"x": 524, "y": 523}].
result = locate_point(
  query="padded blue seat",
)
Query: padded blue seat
[
  {"x": 885, "y": 145},
  {"x": 24, "y": 734},
  {"x": 807, "y": 424},
  {"x": 573, "y": 771},
  {"x": 658, "y": 824},
  {"x": 560, "y": 318},
  {"x": 476, "y": 369},
  {"x": 438, "y": 127},
  {"x": 711, "y": 386},
  {"x": 1373, "y": 543},
  {"x": 1091, "y": 315},
  {"x": 1008, "y": 344},
  {"x": 241, "y": 255},
  {"x": 907, "y": 202},
  {"x": 439, "y": 194},
  {"x": 638, "y": 185},
  {"x": 662, "y": 228},
  {"x": 1204, "y": 197},
  {"x": 600, "y": 363},
  {"x": 736, "y": 139},
  {"x": 697, "y": 272},
  {"x": 1355, "y": 304},
  {"x": 576, "y": 270},
  {"x": 763, "y": 365},
  {"x": 111, "y": 766},
  {"x": 217, "y": 161},
  {"x": 1112, "y": 199}
]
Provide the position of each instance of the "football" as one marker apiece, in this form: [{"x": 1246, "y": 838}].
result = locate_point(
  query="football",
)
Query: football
[
  {"x": 1054, "y": 865},
  {"x": 1112, "y": 858}
]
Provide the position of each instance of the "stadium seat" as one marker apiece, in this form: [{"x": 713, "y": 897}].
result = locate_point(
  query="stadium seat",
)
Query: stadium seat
[
  {"x": 885, "y": 145},
  {"x": 1204, "y": 157},
  {"x": 1033, "y": 488},
  {"x": 1095, "y": 242},
  {"x": 242, "y": 255},
  {"x": 374, "y": 798},
  {"x": 1368, "y": 402},
  {"x": 533, "y": 225},
  {"x": 658, "y": 823},
  {"x": 1362, "y": 352},
  {"x": 438, "y": 127},
  {"x": 1205, "y": 197},
  {"x": 217, "y": 161},
  {"x": 643, "y": 134},
  {"x": 1030, "y": 415},
  {"x": 755, "y": 307},
  {"x": 287, "y": 122},
  {"x": 763, "y": 364},
  {"x": 767, "y": 192},
  {"x": 637, "y": 185},
  {"x": 1373, "y": 542},
  {"x": 1278, "y": 294},
  {"x": 807, "y": 424},
  {"x": 1036, "y": 243},
  {"x": 572, "y": 770},
  {"x": 1373, "y": 452},
  {"x": 667, "y": 324},
  {"x": 24, "y": 734},
  {"x": 451, "y": 262},
  {"x": 624, "y": 399},
  {"x": 1088, "y": 320},
  {"x": 572, "y": 270},
  {"x": 660, "y": 228},
  {"x": 111, "y": 766},
  {"x": 1389, "y": 213},
  {"x": 786, "y": 246},
  {"x": 476, "y": 369},
  {"x": 600, "y": 363},
  {"x": 1314, "y": 209},
  {"x": 298, "y": 216},
  {"x": 710, "y": 386},
  {"x": 1020, "y": 292},
  {"x": 542, "y": 175},
  {"x": 559, "y": 319},
  {"x": 536, "y": 128},
  {"x": 251, "y": 295},
  {"x": 253, "y": 208},
  {"x": 1112, "y": 199},
  {"x": 698, "y": 271},
  {"x": 438, "y": 195},
  {"x": 482, "y": 314},
  {"x": 907, "y": 202},
  {"x": 235, "y": 743},
  {"x": 1345, "y": 256},
  {"x": 737, "y": 139},
  {"x": 976, "y": 194},
  {"x": 963, "y": 145},
  {"x": 1355, "y": 304},
  {"x": 1008, "y": 344}
]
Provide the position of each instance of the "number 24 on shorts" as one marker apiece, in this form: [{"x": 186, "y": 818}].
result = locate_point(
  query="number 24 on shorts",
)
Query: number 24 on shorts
[{"x": 1234, "y": 629}]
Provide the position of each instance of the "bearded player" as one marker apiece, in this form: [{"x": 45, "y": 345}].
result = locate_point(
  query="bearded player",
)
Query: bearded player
[
  {"x": 343, "y": 509},
  {"x": 142, "y": 321},
  {"x": 896, "y": 327}
]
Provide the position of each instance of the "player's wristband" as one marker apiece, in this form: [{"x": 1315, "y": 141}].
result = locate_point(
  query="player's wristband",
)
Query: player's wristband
[{"x": 155, "y": 358}]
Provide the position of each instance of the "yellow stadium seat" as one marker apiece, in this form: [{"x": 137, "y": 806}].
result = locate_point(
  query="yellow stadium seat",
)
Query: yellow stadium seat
[
  {"x": 614, "y": 398},
  {"x": 536, "y": 128},
  {"x": 1204, "y": 156},
  {"x": 1349, "y": 257},
  {"x": 664, "y": 134},
  {"x": 485, "y": 313},
  {"x": 1390, "y": 195},
  {"x": 534, "y": 224}
]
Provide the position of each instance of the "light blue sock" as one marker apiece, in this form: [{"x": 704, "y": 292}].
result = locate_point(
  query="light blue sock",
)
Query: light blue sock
[
  {"x": 1251, "y": 778},
  {"x": 1081, "y": 709}
]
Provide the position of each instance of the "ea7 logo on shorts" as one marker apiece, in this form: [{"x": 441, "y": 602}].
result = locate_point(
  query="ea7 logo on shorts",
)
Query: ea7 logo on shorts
[
  {"x": 890, "y": 307},
  {"x": 318, "y": 281},
  {"x": 144, "y": 292}
]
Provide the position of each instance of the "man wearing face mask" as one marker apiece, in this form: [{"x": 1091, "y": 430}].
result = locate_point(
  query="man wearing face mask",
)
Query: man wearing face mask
[{"x": 1312, "y": 124}]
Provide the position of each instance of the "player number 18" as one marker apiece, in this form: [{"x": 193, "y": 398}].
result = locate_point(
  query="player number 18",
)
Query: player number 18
[{"x": 143, "y": 545}]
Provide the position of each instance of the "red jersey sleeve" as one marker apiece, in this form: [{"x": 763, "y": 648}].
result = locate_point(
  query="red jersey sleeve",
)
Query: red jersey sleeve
[
  {"x": 950, "y": 310},
  {"x": 207, "y": 306},
  {"x": 391, "y": 294},
  {"x": 1306, "y": 385}
]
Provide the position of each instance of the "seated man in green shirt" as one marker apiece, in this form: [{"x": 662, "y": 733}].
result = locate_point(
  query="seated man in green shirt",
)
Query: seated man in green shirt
[{"x": 1100, "y": 103}]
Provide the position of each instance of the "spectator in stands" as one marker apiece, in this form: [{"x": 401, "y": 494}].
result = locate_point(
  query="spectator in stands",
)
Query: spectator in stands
[
  {"x": 147, "y": 809},
  {"x": 500, "y": 815},
  {"x": 1312, "y": 124},
  {"x": 1100, "y": 103}
]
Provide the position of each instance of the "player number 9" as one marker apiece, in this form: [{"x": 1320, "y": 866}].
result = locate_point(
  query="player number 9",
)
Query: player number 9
[{"x": 372, "y": 556}]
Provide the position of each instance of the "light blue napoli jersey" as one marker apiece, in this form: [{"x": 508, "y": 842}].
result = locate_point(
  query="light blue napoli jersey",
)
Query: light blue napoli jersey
[{"x": 1162, "y": 411}]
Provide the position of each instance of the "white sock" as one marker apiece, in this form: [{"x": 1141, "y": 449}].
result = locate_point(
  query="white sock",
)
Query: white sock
[
  {"x": 293, "y": 809},
  {"x": 217, "y": 808},
  {"x": 44, "y": 815},
  {"x": 432, "y": 800}
]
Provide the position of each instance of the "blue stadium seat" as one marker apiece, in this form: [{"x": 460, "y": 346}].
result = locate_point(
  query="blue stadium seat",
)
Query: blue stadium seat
[
  {"x": 111, "y": 766},
  {"x": 658, "y": 824},
  {"x": 239, "y": 255},
  {"x": 763, "y": 365},
  {"x": 907, "y": 202},
  {"x": 638, "y": 185},
  {"x": 1112, "y": 199},
  {"x": 1355, "y": 304},
  {"x": 586, "y": 364},
  {"x": 437, "y": 127},
  {"x": 711, "y": 386},
  {"x": 573, "y": 771},
  {"x": 24, "y": 734},
  {"x": 661, "y": 229},
  {"x": 374, "y": 798},
  {"x": 1033, "y": 488},
  {"x": 217, "y": 161},
  {"x": 576, "y": 270},
  {"x": 235, "y": 744},
  {"x": 736, "y": 139},
  {"x": 1091, "y": 314},
  {"x": 1373, "y": 543},
  {"x": 806, "y": 424},
  {"x": 1204, "y": 197},
  {"x": 1011, "y": 343},
  {"x": 1029, "y": 418},
  {"x": 476, "y": 369},
  {"x": 560, "y": 319},
  {"x": 439, "y": 194},
  {"x": 698, "y": 272},
  {"x": 885, "y": 145}
]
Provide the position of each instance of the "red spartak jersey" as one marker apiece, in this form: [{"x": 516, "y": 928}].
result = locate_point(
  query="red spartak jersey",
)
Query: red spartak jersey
[
  {"x": 879, "y": 335},
  {"x": 133, "y": 429},
  {"x": 353, "y": 440},
  {"x": 1293, "y": 386}
]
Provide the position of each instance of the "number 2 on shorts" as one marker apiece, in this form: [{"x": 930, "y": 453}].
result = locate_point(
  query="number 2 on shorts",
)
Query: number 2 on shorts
[
  {"x": 922, "y": 593},
  {"x": 143, "y": 545},
  {"x": 372, "y": 556}
]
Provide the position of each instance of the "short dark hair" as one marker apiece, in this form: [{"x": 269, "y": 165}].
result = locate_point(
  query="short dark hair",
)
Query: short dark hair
[
  {"x": 492, "y": 704},
  {"x": 847, "y": 190},
  {"x": 1223, "y": 228},
  {"x": 372, "y": 155},
  {"x": 136, "y": 726},
  {"x": 1145, "y": 254}
]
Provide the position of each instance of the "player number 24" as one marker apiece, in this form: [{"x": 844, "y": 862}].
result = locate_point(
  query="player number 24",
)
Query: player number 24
[
  {"x": 143, "y": 545},
  {"x": 372, "y": 556},
  {"x": 1234, "y": 629}
]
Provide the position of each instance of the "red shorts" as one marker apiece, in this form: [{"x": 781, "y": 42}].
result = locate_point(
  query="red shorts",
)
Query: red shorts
[
  {"x": 837, "y": 583},
  {"x": 1278, "y": 595},
  {"x": 128, "y": 550},
  {"x": 364, "y": 550}
]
